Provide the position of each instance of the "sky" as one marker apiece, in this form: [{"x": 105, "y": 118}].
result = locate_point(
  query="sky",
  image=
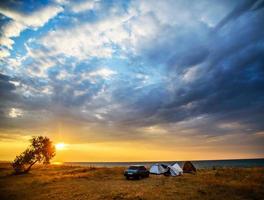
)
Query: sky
[{"x": 133, "y": 80}]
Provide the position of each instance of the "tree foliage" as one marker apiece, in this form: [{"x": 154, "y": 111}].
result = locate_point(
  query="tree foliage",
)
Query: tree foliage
[{"x": 41, "y": 150}]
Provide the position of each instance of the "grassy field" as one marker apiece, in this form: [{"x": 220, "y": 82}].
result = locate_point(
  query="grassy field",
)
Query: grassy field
[{"x": 66, "y": 182}]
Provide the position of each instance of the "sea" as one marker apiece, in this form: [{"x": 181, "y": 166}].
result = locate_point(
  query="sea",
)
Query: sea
[{"x": 199, "y": 164}]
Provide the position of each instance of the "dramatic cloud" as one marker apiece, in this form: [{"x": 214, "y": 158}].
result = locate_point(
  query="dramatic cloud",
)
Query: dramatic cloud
[{"x": 189, "y": 72}]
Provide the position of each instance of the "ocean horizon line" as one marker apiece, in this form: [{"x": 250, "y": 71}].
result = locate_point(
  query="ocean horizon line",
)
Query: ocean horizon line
[{"x": 150, "y": 161}]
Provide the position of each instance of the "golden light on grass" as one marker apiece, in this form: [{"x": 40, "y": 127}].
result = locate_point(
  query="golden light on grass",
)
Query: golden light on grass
[{"x": 60, "y": 146}]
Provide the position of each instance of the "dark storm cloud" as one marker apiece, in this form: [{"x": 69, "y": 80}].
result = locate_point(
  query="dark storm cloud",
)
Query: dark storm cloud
[
  {"x": 8, "y": 97},
  {"x": 258, "y": 5},
  {"x": 189, "y": 58},
  {"x": 231, "y": 86},
  {"x": 242, "y": 7},
  {"x": 6, "y": 87}
]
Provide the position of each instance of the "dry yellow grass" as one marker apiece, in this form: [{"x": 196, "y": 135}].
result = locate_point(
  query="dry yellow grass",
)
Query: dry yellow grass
[{"x": 66, "y": 182}]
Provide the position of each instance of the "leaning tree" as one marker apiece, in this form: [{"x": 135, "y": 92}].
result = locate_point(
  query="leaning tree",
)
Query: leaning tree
[{"x": 41, "y": 150}]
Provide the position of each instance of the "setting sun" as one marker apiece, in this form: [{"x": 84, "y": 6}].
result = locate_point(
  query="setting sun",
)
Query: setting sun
[{"x": 60, "y": 146}]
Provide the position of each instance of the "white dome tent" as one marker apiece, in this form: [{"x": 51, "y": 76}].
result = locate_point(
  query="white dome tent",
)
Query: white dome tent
[
  {"x": 175, "y": 170},
  {"x": 177, "y": 166},
  {"x": 158, "y": 169}
]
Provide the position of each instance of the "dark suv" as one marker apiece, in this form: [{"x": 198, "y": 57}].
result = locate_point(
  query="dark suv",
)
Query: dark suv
[{"x": 136, "y": 171}]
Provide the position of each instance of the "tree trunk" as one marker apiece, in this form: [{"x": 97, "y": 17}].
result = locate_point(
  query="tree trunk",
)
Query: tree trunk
[{"x": 29, "y": 167}]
